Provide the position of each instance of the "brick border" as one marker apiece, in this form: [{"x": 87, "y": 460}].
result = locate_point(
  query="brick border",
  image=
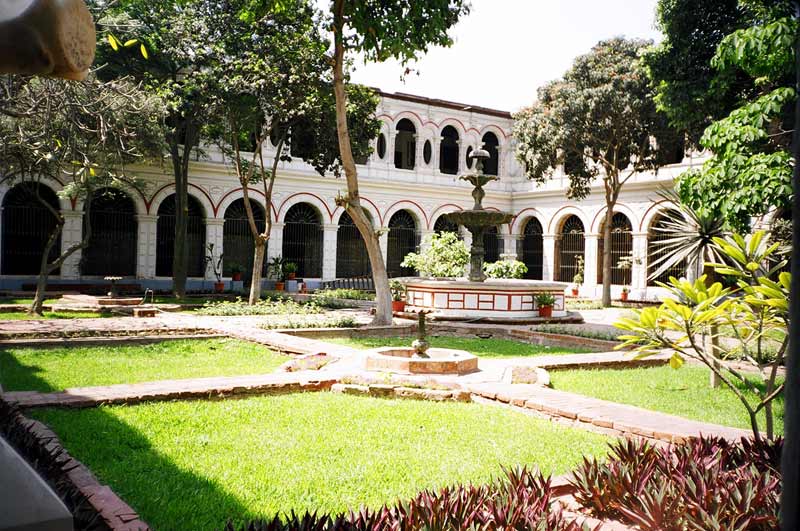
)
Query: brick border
[{"x": 92, "y": 504}]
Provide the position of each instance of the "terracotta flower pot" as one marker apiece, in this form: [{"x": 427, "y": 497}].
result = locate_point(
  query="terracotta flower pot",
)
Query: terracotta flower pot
[
  {"x": 219, "y": 287},
  {"x": 291, "y": 276},
  {"x": 574, "y": 292},
  {"x": 398, "y": 306},
  {"x": 236, "y": 277},
  {"x": 279, "y": 286},
  {"x": 624, "y": 296},
  {"x": 545, "y": 311}
]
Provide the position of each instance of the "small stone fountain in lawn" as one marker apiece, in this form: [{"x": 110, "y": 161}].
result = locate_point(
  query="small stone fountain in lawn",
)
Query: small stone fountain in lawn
[
  {"x": 474, "y": 298},
  {"x": 420, "y": 358}
]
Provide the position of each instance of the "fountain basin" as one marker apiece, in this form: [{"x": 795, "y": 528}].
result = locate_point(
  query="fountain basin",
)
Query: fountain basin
[
  {"x": 402, "y": 360},
  {"x": 503, "y": 299}
]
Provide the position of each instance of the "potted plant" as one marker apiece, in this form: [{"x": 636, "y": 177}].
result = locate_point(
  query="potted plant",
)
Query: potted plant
[
  {"x": 577, "y": 280},
  {"x": 216, "y": 266},
  {"x": 544, "y": 303},
  {"x": 276, "y": 272},
  {"x": 290, "y": 270},
  {"x": 624, "y": 294},
  {"x": 398, "y": 295},
  {"x": 236, "y": 272},
  {"x": 626, "y": 263}
]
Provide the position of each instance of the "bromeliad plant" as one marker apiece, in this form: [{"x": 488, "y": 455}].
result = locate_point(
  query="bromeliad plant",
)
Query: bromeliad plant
[{"x": 754, "y": 313}]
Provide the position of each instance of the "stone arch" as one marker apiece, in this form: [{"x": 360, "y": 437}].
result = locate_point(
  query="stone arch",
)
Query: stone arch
[
  {"x": 303, "y": 238},
  {"x": 236, "y": 194},
  {"x": 305, "y": 197},
  {"x": 597, "y": 221},
  {"x": 65, "y": 203},
  {"x": 531, "y": 247},
  {"x": 367, "y": 205},
  {"x": 561, "y": 215},
  {"x": 352, "y": 259},
  {"x": 491, "y": 143},
  {"x": 570, "y": 244},
  {"x": 522, "y": 218},
  {"x": 403, "y": 238},
  {"x": 237, "y": 237},
  {"x": 406, "y": 137},
  {"x": 420, "y": 217},
  {"x": 165, "y": 236},
  {"x": 654, "y": 251},
  {"x": 26, "y": 227},
  {"x": 621, "y": 246},
  {"x": 112, "y": 248},
  {"x": 449, "y": 207},
  {"x": 449, "y": 150},
  {"x": 195, "y": 191}
]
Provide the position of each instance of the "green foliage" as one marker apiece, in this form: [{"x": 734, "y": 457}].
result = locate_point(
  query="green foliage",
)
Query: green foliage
[
  {"x": 597, "y": 120},
  {"x": 505, "y": 269},
  {"x": 268, "y": 306},
  {"x": 756, "y": 310},
  {"x": 309, "y": 321},
  {"x": 545, "y": 299},
  {"x": 751, "y": 167},
  {"x": 444, "y": 255},
  {"x": 398, "y": 290},
  {"x": 577, "y": 279},
  {"x": 58, "y": 368},
  {"x": 333, "y": 298},
  {"x": 229, "y": 458}
]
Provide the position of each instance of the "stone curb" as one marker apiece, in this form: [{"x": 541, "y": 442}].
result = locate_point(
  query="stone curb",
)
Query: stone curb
[
  {"x": 73, "y": 476},
  {"x": 402, "y": 392}
]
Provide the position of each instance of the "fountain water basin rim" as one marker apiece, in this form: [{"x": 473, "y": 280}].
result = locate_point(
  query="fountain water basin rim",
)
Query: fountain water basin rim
[{"x": 403, "y": 360}]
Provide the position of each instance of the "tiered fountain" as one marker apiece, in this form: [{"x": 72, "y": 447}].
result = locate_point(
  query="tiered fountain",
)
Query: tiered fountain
[{"x": 476, "y": 297}]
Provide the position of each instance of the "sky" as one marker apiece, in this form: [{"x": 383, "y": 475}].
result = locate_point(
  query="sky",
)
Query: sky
[{"x": 505, "y": 49}]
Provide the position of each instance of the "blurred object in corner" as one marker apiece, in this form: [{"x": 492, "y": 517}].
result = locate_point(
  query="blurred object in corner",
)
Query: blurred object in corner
[{"x": 46, "y": 37}]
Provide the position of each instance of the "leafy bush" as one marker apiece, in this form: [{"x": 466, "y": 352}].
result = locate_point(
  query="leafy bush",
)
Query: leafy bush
[
  {"x": 545, "y": 299},
  {"x": 332, "y": 298},
  {"x": 444, "y": 256},
  {"x": 308, "y": 321},
  {"x": 575, "y": 331},
  {"x": 398, "y": 290},
  {"x": 505, "y": 269},
  {"x": 707, "y": 483},
  {"x": 268, "y": 306},
  {"x": 522, "y": 500}
]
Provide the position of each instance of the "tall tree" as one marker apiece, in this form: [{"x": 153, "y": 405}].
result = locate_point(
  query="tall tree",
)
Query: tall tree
[
  {"x": 379, "y": 30},
  {"x": 599, "y": 120},
  {"x": 166, "y": 59},
  {"x": 84, "y": 134},
  {"x": 275, "y": 84}
]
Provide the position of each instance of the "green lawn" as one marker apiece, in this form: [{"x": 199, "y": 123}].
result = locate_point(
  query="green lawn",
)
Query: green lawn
[
  {"x": 685, "y": 392},
  {"x": 50, "y": 369},
  {"x": 484, "y": 348},
  {"x": 25, "y": 316},
  {"x": 27, "y": 301},
  {"x": 194, "y": 464}
]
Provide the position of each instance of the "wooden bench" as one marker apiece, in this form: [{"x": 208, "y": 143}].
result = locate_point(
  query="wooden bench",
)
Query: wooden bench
[{"x": 359, "y": 283}]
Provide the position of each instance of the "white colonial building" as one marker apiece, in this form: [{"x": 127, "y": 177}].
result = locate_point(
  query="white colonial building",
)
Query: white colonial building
[{"x": 409, "y": 181}]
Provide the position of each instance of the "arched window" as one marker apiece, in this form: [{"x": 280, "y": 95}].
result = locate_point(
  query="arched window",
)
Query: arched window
[
  {"x": 302, "y": 239},
  {"x": 445, "y": 225},
  {"x": 403, "y": 239},
  {"x": 490, "y": 143},
  {"x": 405, "y": 145},
  {"x": 351, "y": 252},
  {"x": 112, "y": 243},
  {"x": 381, "y": 147},
  {"x": 533, "y": 249},
  {"x": 27, "y": 225},
  {"x": 491, "y": 245},
  {"x": 237, "y": 238},
  {"x": 195, "y": 237},
  {"x": 569, "y": 246},
  {"x": 621, "y": 246},
  {"x": 656, "y": 234},
  {"x": 448, "y": 151}
]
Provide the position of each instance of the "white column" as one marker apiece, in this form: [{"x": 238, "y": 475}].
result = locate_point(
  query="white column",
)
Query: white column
[
  {"x": 639, "y": 266},
  {"x": 275, "y": 246},
  {"x": 329, "y": 231},
  {"x": 419, "y": 160},
  {"x": 214, "y": 235},
  {"x": 548, "y": 257},
  {"x": 424, "y": 239},
  {"x": 146, "y": 245},
  {"x": 590, "y": 261},
  {"x": 436, "y": 144},
  {"x": 71, "y": 234},
  {"x": 510, "y": 247}
]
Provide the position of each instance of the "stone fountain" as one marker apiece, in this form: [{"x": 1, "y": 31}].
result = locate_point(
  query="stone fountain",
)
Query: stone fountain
[{"x": 475, "y": 297}]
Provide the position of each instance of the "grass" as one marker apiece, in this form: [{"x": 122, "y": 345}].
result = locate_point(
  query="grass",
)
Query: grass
[
  {"x": 484, "y": 348},
  {"x": 25, "y": 316},
  {"x": 577, "y": 331},
  {"x": 194, "y": 464},
  {"x": 26, "y": 301},
  {"x": 684, "y": 392},
  {"x": 51, "y": 369}
]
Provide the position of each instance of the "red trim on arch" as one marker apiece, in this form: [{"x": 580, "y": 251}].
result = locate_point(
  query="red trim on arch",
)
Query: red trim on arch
[
  {"x": 646, "y": 212},
  {"x": 603, "y": 211},
  {"x": 330, "y": 214},
  {"x": 443, "y": 123},
  {"x": 149, "y": 204},
  {"x": 555, "y": 217},
  {"x": 435, "y": 218},
  {"x": 424, "y": 215},
  {"x": 377, "y": 210},
  {"x": 254, "y": 190},
  {"x": 517, "y": 216}
]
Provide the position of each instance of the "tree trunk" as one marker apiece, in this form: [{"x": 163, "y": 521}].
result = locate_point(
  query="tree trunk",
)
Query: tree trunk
[
  {"x": 606, "y": 300},
  {"x": 258, "y": 265},
  {"x": 352, "y": 203},
  {"x": 180, "y": 166},
  {"x": 44, "y": 270}
]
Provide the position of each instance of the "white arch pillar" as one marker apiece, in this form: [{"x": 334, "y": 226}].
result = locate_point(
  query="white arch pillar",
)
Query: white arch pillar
[
  {"x": 275, "y": 245},
  {"x": 214, "y": 235},
  {"x": 510, "y": 246},
  {"x": 72, "y": 234},
  {"x": 383, "y": 240},
  {"x": 590, "y": 261},
  {"x": 329, "y": 242},
  {"x": 146, "y": 245},
  {"x": 639, "y": 265},
  {"x": 548, "y": 256}
]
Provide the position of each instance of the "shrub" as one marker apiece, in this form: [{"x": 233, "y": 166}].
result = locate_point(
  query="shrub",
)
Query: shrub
[
  {"x": 707, "y": 483},
  {"x": 522, "y": 500},
  {"x": 545, "y": 299},
  {"x": 332, "y": 298},
  {"x": 268, "y": 306},
  {"x": 444, "y": 256},
  {"x": 398, "y": 290},
  {"x": 505, "y": 269},
  {"x": 308, "y": 321}
]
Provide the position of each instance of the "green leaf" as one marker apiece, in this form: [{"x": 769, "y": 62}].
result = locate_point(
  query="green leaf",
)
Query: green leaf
[
  {"x": 113, "y": 42},
  {"x": 143, "y": 50},
  {"x": 130, "y": 42},
  {"x": 676, "y": 361}
]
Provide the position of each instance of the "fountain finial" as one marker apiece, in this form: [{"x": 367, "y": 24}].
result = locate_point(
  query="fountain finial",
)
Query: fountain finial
[{"x": 478, "y": 179}]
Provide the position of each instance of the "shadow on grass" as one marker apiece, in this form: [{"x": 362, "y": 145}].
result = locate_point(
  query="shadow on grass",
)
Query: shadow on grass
[
  {"x": 165, "y": 495},
  {"x": 16, "y": 376}
]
